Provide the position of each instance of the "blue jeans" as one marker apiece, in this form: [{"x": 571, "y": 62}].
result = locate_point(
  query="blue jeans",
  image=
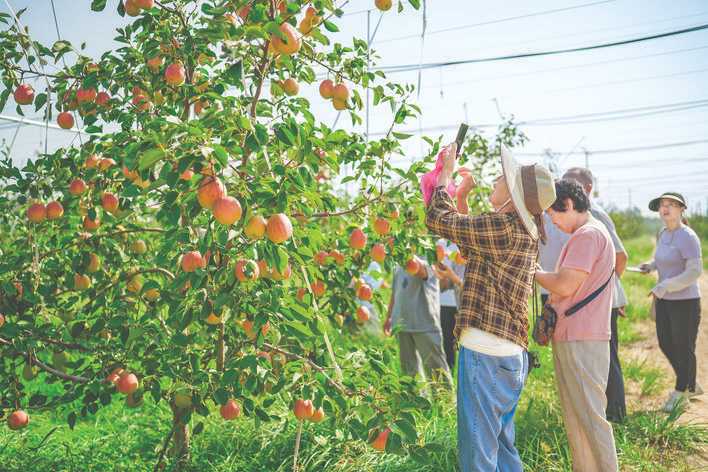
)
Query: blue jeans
[{"x": 488, "y": 391}]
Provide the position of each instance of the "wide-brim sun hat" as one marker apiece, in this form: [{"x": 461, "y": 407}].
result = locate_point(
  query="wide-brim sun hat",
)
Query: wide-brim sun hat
[
  {"x": 654, "y": 204},
  {"x": 532, "y": 189}
]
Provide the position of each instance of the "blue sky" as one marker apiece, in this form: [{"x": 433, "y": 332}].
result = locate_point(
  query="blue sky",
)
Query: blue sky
[{"x": 661, "y": 72}]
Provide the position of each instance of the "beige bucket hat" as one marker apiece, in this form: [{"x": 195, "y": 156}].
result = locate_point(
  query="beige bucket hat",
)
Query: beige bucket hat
[{"x": 532, "y": 189}]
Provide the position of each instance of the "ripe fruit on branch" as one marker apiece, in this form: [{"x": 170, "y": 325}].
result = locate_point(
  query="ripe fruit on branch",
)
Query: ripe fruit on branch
[
  {"x": 131, "y": 8},
  {"x": 362, "y": 314},
  {"x": 246, "y": 270},
  {"x": 381, "y": 226},
  {"x": 36, "y": 213},
  {"x": 145, "y": 4},
  {"x": 380, "y": 442},
  {"x": 109, "y": 202},
  {"x": 412, "y": 266},
  {"x": 152, "y": 294},
  {"x": 339, "y": 105},
  {"x": 192, "y": 261},
  {"x": 276, "y": 275},
  {"x": 247, "y": 326},
  {"x": 127, "y": 383},
  {"x": 91, "y": 225},
  {"x": 17, "y": 420},
  {"x": 106, "y": 163},
  {"x": 175, "y": 74},
  {"x": 383, "y": 5},
  {"x": 138, "y": 247},
  {"x": 94, "y": 263},
  {"x": 318, "y": 288},
  {"x": 92, "y": 161},
  {"x": 230, "y": 410},
  {"x": 340, "y": 92},
  {"x": 65, "y": 120},
  {"x": 326, "y": 88},
  {"x": 77, "y": 187},
  {"x": 255, "y": 228},
  {"x": 2, "y": 320},
  {"x": 337, "y": 256},
  {"x": 291, "y": 42},
  {"x": 155, "y": 63},
  {"x": 24, "y": 94},
  {"x": 227, "y": 210},
  {"x": 86, "y": 95},
  {"x": 102, "y": 99},
  {"x": 290, "y": 86},
  {"x": 135, "y": 284},
  {"x": 364, "y": 292},
  {"x": 321, "y": 257},
  {"x": 115, "y": 375},
  {"x": 357, "y": 239},
  {"x": 303, "y": 409},
  {"x": 81, "y": 281},
  {"x": 279, "y": 228},
  {"x": 378, "y": 252},
  {"x": 210, "y": 190},
  {"x": 318, "y": 415}
]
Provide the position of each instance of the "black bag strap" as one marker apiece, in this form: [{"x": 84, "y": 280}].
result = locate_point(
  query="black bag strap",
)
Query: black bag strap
[{"x": 582, "y": 303}]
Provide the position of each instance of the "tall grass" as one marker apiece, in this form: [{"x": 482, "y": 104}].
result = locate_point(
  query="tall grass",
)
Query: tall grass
[{"x": 121, "y": 439}]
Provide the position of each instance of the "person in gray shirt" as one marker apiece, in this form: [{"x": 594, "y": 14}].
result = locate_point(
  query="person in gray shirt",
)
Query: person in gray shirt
[
  {"x": 548, "y": 256},
  {"x": 414, "y": 310}
]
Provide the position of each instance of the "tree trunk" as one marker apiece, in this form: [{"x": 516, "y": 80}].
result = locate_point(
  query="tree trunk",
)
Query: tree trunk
[
  {"x": 220, "y": 351},
  {"x": 180, "y": 445}
]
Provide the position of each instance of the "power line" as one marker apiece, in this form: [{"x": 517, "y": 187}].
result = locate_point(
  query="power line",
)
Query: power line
[
  {"x": 623, "y": 150},
  {"x": 576, "y": 66},
  {"x": 497, "y": 21},
  {"x": 434, "y": 65},
  {"x": 582, "y": 118}
]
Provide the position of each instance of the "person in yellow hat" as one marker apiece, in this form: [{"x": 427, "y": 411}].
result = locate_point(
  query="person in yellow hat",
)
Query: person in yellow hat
[{"x": 492, "y": 318}]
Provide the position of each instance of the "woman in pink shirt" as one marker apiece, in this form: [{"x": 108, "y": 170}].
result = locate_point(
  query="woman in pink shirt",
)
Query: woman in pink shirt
[{"x": 581, "y": 350}]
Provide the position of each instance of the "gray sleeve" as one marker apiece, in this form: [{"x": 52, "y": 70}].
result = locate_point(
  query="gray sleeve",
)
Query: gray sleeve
[{"x": 605, "y": 219}]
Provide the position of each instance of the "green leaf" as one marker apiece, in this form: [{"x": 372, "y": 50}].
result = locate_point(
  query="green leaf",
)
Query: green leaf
[
  {"x": 415, "y": 4},
  {"x": 331, "y": 27},
  {"x": 233, "y": 74},
  {"x": 408, "y": 430},
  {"x": 71, "y": 420},
  {"x": 39, "y": 101},
  {"x": 150, "y": 157},
  {"x": 401, "y": 135},
  {"x": 98, "y": 5},
  {"x": 221, "y": 154}
]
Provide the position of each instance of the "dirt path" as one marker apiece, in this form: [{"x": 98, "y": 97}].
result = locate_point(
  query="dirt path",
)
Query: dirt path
[{"x": 647, "y": 351}]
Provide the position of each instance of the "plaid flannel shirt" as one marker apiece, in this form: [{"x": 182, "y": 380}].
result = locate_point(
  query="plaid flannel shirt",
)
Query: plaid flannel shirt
[{"x": 501, "y": 259}]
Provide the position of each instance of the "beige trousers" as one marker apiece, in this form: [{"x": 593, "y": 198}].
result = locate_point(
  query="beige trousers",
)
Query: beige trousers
[{"x": 582, "y": 368}]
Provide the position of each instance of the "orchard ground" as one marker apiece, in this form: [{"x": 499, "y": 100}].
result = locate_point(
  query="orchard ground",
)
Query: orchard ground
[{"x": 118, "y": 438}]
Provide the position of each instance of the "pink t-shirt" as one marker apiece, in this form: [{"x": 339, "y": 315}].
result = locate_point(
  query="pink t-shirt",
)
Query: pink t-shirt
[{"x": 590, "y": 250}]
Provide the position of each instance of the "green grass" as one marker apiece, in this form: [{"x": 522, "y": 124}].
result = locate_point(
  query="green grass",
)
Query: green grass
[{"x": 117, "y": 438}]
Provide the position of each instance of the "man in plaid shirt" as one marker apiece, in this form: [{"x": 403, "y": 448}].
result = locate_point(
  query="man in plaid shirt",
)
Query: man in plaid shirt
[{"x": 501, "y": 248}]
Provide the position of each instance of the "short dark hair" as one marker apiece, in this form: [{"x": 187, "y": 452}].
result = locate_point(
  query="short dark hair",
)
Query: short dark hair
[{"x": 570, "y": 189}]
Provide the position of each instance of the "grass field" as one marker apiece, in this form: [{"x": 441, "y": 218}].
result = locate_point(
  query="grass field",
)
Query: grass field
[{"x": 117, "y": 438}]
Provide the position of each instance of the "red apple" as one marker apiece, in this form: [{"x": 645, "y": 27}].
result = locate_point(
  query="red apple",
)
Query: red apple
[
  {"x": 278, "y": 228},
  {"x": 174, "y": 74},
  {"x": 337, "y": 256},
  {"x": 362, "y": 314},
  {"x": 17, "y": 420},
  {"x": 145, "y": 4},
  {"x": 357, "y": 239},
  {"x": 246, "y": 270},
  {"x": 290, "y": 87},
  {"x": 227, "y": 210},
  {"x": 37, "y": 213},
  {"x": 210, "y": 190},
  {"x": 230, "y": 410},
  {"x": 382, "y": 226},
  {"x": 24, "y": 94},
  {"x": 105, "y": 164},
  {"x": 412, "y": 266},
  {"x": 115, "y": 375},
  {"x": 92, "y": 161},
  {"x": 364, "y": 292},
  {"x": 77, "y": 187},
  {"x": 131, "y": 8},
  {"x": 321, "y": 257},
  {"x": 303, "y": 409},
  {"x": 383, "y": 5},
  {"x": 65, "y": 120},
  {"x": 340, "y": 92},
  {"x": 109, "y": 202},
  {"x": 127, "y": 383},
  {"x": 318, "y": 288},
  {"x": 102, "y": 99},
  {"x": 86, "y": 95},
  {"x": 192, "y": 261},
  {"x": 380, "y": 442},
  {"x": 91, "y": 225},
  {"x": 255, "y": 228},
  {"x": 82, "y": 282},
  {"x": 291, "y": 42},
  {"x": 287, "y": 272},
  {"x": 318, "y": 415},
  {"x": 326, "y": 88},
  {"x": 378, "y": 252}
]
